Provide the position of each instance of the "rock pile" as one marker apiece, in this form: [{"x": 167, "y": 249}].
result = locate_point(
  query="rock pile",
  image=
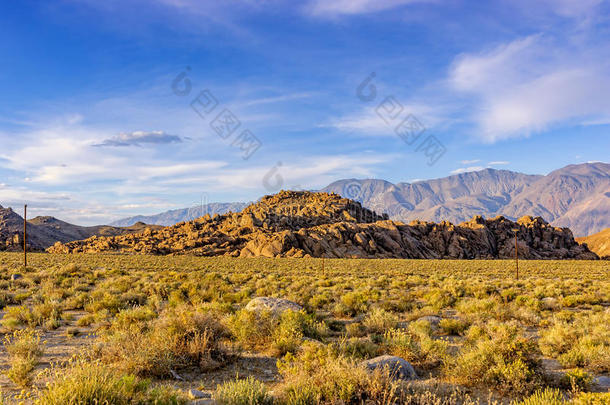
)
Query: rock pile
[{"x": 307, "y": 224}]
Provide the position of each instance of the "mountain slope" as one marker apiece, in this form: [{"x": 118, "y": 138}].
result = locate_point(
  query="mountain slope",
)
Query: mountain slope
[
  {"x": 299, "y": 224},
  {"x": 576, "y": 196},
  {"x": 181, "y": 215},
  {"x": 45, "y": 231},
  {"x": 598, "y": 243}
]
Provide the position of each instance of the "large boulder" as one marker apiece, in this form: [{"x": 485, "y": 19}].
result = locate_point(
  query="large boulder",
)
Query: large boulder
[
  {"x": 399, "y": 368},
  {"x": 276, "y": 306}
]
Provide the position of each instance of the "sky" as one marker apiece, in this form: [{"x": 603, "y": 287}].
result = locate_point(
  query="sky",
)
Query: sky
[{"x": 122, "y": 107}]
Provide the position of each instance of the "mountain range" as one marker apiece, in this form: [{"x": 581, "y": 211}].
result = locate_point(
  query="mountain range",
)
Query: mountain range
[{"x": 576, "y": 196}]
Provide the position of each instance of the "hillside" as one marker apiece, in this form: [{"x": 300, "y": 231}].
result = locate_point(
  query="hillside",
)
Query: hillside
[
  {"x": 598, "y": 243},
  {"x": 304, "y": 224},
  {"x": 181, "y": 215},
  {"x": 45, "y": 231},
  {"x": 576, "y": 196}
]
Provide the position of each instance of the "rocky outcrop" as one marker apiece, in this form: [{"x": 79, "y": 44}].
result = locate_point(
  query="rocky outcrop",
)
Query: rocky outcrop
[{"x": 306, "y": 224}]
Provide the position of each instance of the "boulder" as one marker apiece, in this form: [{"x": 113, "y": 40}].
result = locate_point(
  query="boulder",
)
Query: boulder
[
  {"x": 549, "y": 303},
  {"x": 196, "y": 394},
  {"x": 276, "y": 306},
  {"x": 602, "y": 382},
  {"x": 399, "y": 367}
]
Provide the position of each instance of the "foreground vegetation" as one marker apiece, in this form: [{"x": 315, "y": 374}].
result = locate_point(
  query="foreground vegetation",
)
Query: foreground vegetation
[{"x": 145, "y": 329}]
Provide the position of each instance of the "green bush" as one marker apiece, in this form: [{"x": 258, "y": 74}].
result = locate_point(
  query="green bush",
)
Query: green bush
[
  {"x": 243, "y": 392},
  {"x": 318, "y": 375},
  {"x": 577, "y": 380},
  {"x": 418, "y": 348},
  {"x": 497, "y": 356},
  {"x": 549, "y": 396},
  {"x": 93, "y": 383},
  {"x": 453, "y": 326}
]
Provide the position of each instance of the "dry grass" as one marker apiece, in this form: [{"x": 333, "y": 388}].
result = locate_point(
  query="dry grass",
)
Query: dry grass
[{"x": 154, "y": 316}]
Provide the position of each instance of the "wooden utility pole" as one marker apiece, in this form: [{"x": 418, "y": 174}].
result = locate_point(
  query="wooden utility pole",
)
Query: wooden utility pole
[
  {"x": 25, "y": 236},
  {"x": 516, "y": 254}
]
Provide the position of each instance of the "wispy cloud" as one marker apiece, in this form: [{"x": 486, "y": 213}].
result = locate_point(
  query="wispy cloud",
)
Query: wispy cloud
[
  {"x": 470, "y": 162},
  {"x": 276, "y": 99},
  {"x": 499, "y": 163},
  {"x": 331, "y": 8},
  {"x": 467, "y": 169},
  {"x": 138, "y": 138},
  {"x": 367, "y": 122},
  {"x": 529, "y": 84}
]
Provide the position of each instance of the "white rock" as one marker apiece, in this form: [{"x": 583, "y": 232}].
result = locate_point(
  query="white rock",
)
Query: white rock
[{"x": 276, "y": 306}]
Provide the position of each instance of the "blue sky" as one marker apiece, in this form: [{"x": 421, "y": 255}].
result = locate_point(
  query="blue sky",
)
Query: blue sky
[{"x": 92, "y": 128}]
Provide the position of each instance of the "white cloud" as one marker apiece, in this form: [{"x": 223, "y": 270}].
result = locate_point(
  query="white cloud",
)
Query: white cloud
[
  {"x": 331, "y": 8},
  {"x": 499, "y": 163},
  {"x": 470, "y": 162},
  {"x": 530, "y": 84},
  {"x": 137, "y": 138},
  {"x": 467, "y": 169},
  {"x": 70, "y": 179}
]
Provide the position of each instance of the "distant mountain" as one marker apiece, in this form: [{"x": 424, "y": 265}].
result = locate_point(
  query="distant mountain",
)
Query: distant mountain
[
  {"x": 576, "y": 196},
  {"x": 598, "y": 243},
  {"x": 43, "y": 232},
  {"x": 182, "y": 215}
]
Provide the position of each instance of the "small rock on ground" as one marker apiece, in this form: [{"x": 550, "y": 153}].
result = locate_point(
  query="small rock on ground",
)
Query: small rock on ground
[
  {"x": 602, "y": 382},
  {"x": 275, "y": 305},
  {"x": 399, "y": 367},
  {"x": 196, "y": 394}
]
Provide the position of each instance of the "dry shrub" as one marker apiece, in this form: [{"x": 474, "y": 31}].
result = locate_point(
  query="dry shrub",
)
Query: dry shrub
[
  {"x": 179, "y": 338},
  {"x": 379, "y": 321},
  {"x": 243, "y": 392},
  {"x": 496, "y": 356},
  {"x": 93, "y": 383},
  {"x": 24, "y": 348},
  {"x": 585, "y": 342},
  {"x": 416, "y": 347},
  {"x": 318, "y": 375},
  {"x": 262, "y": 330}
]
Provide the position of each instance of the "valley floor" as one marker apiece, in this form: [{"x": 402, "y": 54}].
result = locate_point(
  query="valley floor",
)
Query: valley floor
[{"x": 140, "y": 329}]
